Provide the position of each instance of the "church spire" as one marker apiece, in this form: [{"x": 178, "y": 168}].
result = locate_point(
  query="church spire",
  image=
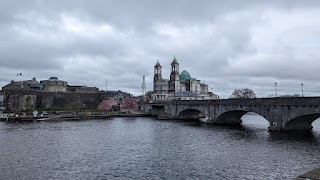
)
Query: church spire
[
  {"x": 174, "y": 77},
  {"x": 157, "y": 64},
  {"x": 157, "y": 71},
  {"x": 174, "y": 61}
]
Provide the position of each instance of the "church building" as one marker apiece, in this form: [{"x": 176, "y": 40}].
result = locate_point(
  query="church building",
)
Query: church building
[{"x": 180, "y": 86}]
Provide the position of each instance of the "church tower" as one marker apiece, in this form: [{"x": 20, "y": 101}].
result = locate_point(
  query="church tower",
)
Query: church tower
[
  {"x": 157, "y": 76},
  {"x": 174, "y": 84},
  {"x": 157, "y": 72}
]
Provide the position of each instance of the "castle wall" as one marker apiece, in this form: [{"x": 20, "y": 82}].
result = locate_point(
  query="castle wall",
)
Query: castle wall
[{"x": 24, "y": 100}]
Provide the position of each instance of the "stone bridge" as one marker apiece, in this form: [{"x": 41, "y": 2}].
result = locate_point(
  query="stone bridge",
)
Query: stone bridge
[{"x": 283, "y": 114}]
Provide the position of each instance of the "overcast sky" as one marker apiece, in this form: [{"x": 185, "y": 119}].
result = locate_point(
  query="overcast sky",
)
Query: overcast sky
[{"x": 227, "y": 44}]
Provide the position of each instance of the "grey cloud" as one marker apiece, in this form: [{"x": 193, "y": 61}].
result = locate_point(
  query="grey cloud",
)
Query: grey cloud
[{"x": 217, "y": 42}]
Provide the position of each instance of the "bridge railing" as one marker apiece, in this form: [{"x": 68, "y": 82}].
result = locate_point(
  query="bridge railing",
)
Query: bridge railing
[{"x": 158, "y": 101}]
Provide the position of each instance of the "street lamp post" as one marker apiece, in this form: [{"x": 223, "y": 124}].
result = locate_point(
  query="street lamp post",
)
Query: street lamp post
[
  {"x": 275, "y": 88},
  {"x": 301, "y": 89}
]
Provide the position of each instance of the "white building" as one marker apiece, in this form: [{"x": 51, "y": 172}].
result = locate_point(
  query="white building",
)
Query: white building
[{"x": 179, "y": 86}]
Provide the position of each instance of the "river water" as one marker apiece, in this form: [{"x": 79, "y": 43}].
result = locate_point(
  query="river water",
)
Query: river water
[{"x": 146, "y": 148}]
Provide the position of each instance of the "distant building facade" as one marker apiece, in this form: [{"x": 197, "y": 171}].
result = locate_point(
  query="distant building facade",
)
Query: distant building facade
[
  {"x": 26, "y": 85},
  {"x": 118, "y": 96},
  {"x": 180, "y": 86},
  {"x": 82, "y": 89},
  {"x": 1, "y": 100},
  {"x": 53, "y": 84},
  {"x": 30, "y": 94}
]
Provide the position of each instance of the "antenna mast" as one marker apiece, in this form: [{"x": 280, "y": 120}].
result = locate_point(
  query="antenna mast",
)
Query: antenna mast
[
  {"x": 106, "y": 84},
  {"x": 143, "y": 87}
]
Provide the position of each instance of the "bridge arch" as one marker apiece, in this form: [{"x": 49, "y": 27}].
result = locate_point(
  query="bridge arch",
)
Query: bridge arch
[
  {"x": 234, "y": 117},
  {"x": 190, "y": 114},
  {"x": 301, "y": 122}
]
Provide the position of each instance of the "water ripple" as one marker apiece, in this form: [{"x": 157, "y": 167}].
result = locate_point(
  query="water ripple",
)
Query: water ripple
[{"x": 145, "y": 148}]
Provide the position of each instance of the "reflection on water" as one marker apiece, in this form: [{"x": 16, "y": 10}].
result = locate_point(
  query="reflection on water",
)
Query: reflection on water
[
  {"x": 145, "y": 148},
  {"x": 316, "y": 125},
  {"x": 254, "y": 122}
]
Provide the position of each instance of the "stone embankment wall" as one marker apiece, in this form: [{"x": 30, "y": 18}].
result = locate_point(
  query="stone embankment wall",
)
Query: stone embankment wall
[{"x": 24, "y": 100}]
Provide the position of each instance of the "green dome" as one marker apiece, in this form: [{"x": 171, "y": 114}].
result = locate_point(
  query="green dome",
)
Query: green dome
[{"x": 184, "y": 75}]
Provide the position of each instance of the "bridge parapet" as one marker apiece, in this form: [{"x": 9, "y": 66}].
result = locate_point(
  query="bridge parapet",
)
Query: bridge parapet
[
  {"x": 299, "y": 101},
  {"x": 281, "y": 113}
]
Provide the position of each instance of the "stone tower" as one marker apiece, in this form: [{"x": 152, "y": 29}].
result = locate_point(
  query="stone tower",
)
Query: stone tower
[
  {"x": 174, "y": 84},
  {"x": 157, "y": 76}
]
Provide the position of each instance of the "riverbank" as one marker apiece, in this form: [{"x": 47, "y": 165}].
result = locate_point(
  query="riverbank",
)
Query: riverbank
[{"x": 79, "y": 116}]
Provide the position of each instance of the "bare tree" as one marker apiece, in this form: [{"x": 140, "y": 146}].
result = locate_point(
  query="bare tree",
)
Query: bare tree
[
  {"x": 148, "y": 95},
  {"x": 289, "y": 95},
  {"x": 243, "y": 93}
]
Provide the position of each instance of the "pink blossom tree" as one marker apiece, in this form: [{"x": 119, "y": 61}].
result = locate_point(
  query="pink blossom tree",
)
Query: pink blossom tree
[
  {"x": 105, "y": 105},
  {"x": 130, "y": 104}
]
